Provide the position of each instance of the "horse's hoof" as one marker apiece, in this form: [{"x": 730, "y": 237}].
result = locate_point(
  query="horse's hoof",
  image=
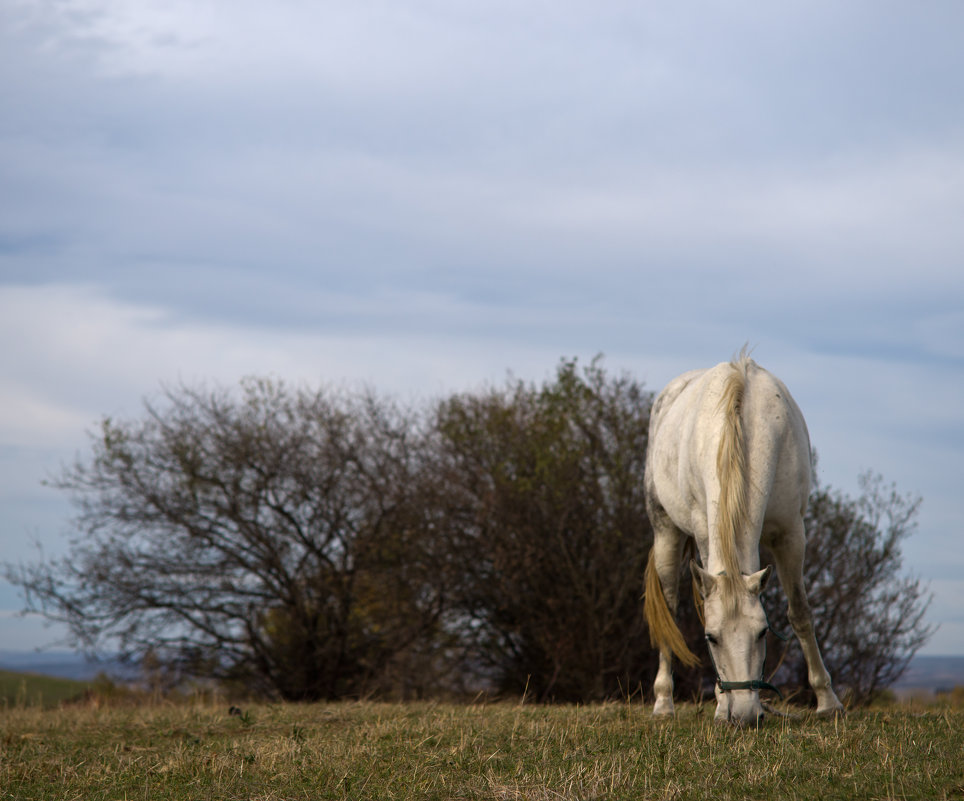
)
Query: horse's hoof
[{"x": 664, "y": 709}]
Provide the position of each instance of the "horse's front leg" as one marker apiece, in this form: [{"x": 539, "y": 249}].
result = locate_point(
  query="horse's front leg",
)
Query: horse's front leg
[
  {"x": 788, "y": 553},
  {"x": 663, "y": 686},
  {"x": 667, "y": 551}
]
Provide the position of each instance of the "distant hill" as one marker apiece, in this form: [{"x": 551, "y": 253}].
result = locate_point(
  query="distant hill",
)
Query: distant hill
[
  {"x": 30, "y": 689},
  {"x": 933, "y": 673},
  {"x": 926, "y": 673},
  {"x": 61, "y": 664}
]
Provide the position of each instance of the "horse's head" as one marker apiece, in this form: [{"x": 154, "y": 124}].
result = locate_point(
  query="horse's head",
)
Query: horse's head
[{"x": 736, "y": 631}]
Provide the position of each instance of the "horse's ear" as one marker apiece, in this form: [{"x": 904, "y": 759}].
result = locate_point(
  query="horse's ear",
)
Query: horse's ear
[
  {"x": 757, "y": 583},
  {"x": 702, "y": 580}
]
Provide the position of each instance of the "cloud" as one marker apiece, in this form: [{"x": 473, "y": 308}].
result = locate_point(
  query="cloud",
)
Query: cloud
[
  {"x": 82, "y": 351},
  {"x": 28, "y": 632},
  {"x": 424, "y": 139},
  {"x": 78, "y": 354},
  {"x": 947, "y": 607},
  {"x": 30, "y": 420},
  {"x": 424, "y": 195}
]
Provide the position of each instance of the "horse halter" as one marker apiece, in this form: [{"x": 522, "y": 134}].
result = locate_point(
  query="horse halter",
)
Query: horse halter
[{"x": 751, "y": 684}]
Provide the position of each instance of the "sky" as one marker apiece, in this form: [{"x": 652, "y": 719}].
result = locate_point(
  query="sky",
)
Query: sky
[{"x": 428, "y": 195}]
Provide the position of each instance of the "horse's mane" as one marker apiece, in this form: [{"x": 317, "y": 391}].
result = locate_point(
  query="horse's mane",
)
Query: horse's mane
[
  {"x": 731, "y": 517},
  {"x": 731, "y": 470}
]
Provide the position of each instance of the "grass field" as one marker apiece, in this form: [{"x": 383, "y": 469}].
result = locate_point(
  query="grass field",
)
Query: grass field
[{"x": 501, "y": 751}]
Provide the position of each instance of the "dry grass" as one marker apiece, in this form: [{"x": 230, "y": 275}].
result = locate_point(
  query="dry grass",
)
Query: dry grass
[{"x": 426, "y": 751}]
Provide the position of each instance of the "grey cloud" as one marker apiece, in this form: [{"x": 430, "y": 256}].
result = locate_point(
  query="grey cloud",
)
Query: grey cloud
[{"x": 459, "y": 189}]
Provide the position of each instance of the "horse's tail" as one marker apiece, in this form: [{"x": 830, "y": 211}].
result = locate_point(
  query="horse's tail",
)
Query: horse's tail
[
  {"x": 663, "y": 631},
  {"x": 731, "y": 471}
]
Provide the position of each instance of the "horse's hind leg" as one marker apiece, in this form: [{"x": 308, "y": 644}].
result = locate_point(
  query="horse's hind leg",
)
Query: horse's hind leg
[{"x": 788, "y": 553}]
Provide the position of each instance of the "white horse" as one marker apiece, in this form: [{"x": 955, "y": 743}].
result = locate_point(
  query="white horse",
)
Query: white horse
[{"x": 729, "y": 465}]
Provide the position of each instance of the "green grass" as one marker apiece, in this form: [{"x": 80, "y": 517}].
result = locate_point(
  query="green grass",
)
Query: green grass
[
  {"x": 501, "y": 751},
  {"x": 27, "y": 689}
]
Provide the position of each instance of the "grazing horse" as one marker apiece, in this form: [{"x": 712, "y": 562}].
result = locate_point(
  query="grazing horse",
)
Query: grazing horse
[{"x": 728, "y": 464}]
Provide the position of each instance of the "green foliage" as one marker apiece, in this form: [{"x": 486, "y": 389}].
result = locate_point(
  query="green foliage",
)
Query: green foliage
[
  {"x": 436, "y": 751},
  {"x": 547, "y": 529}
]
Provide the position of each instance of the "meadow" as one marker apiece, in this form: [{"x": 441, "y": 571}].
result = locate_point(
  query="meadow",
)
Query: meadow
[{"x": 368, "y": 750}]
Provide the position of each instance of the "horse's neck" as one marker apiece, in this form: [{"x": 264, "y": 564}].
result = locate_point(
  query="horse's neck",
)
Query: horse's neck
[{"x": 747, "y": 556}]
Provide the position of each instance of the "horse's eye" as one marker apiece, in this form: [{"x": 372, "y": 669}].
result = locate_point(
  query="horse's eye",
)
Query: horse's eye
[
  {"x": 762, "y": 635},
  {"x": 711, "y": 639}
]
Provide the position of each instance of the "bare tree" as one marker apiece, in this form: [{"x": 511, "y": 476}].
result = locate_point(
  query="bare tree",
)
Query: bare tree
[
  {"x": 273, "y": 538},
  {"x": 312, "y": 544},
  {"x": 868, "y": 615}
]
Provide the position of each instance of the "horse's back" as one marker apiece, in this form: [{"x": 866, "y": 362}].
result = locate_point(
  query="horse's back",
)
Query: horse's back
[
  {"x": 778, "y": 448},
  {"x": 688, "y": 422},
  {"x": 684, "y": 435}
]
